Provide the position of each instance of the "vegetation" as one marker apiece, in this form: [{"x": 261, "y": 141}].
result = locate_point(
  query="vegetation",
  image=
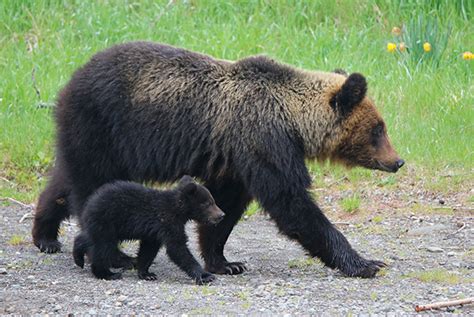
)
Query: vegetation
[
  {"x": 350, "y": 204},
  {"x": 426, "y": 98}
]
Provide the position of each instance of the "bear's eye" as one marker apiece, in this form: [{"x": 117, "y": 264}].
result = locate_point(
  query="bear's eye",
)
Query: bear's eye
[{"x": 378, "y": 130}]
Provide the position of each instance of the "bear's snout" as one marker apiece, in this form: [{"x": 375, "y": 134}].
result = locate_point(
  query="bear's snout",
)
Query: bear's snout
[
  {"x": 400, "y": 163},
  {"x": 216, "y": 215},
  {"x": 392, "y": 168}
]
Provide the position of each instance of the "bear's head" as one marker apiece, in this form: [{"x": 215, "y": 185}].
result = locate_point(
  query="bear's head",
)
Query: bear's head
[
  {"x": 198, "y": 202},
  {"x": 359, "y": 135}
]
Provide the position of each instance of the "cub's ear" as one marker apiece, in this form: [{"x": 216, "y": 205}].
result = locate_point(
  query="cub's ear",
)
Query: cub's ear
[
  {"x": 351, "y": 93},
  {"x": 189, "y": 189},
  {"x": 186, "y": 179}
]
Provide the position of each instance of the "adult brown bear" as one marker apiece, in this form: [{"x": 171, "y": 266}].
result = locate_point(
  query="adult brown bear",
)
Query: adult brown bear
[{"x": 150, "y": 112}]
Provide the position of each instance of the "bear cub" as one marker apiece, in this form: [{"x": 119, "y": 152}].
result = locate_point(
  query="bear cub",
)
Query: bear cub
[{"x": 122, "y": 210}]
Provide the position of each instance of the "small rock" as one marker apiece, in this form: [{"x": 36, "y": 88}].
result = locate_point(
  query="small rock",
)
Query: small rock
[
  {"x": 426, "y": 230},
  {"x": 111, "y": 292},
  {"x": 10, "y": 309},
  {"x": 92, "y": 312},
  {"x": 118, "y": 304},
  {"x": 122, "y": 298},
  {"x": 456, "y": 264},
  {"x": 450, "y": 254},
  {"x": 434, "y": 249},
  {"x": 441, "y": 201},
  {"x": 30, "y": 277},
  {"x": 3, "y": 270},
  {"x": 57, "y": 308}
]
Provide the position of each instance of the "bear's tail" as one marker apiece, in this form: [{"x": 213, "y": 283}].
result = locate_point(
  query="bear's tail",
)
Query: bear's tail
[{"x": 82, "y": 244}]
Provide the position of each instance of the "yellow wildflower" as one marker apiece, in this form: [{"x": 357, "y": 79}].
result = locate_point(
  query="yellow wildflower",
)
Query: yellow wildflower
[
  {"x": 396, "y": 31},
  {"x": 391, "y": 47},
  {"x": 402, "y": 47},
  {"x": 427, "y": 47},
  {"x": 467, "y": 56}
]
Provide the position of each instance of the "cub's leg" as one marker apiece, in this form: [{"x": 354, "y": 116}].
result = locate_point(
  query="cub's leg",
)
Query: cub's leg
[
  {"x": 146, "y": 254},
  {"x": 179, "y": 253},
  {"x": 102, "y": 254}
]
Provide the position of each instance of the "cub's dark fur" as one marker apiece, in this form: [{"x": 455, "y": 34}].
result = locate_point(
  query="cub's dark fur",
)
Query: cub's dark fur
[
  {"x": 151, "y": 112},
  {"x": 124, "y": 211}
]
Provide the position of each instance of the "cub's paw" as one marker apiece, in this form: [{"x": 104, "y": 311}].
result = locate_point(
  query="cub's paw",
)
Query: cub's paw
[
  {"x": 48, "y": 246},
  {"x": 205, "y": 278},
  {"x": 147, "y": 276},
  {"x": 365, "y": 268},
  {"x": 230, "y": 268}
]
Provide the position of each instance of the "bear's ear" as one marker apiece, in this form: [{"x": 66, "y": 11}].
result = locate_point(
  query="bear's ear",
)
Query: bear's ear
[
  {"x": 189, "y": 189},
  {"x": 351, "y": 93},
  {"x": 340, "y": 71},
  {"x": 186, "y": 179}
]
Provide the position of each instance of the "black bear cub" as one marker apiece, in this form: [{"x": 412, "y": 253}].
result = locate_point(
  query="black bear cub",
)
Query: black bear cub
[{"x": 127, "y": 211}]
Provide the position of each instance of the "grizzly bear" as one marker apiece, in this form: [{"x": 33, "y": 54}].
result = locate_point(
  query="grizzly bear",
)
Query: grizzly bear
[
  {"x": 122, "y": 210},
  {"x": 150, "y": 112}
]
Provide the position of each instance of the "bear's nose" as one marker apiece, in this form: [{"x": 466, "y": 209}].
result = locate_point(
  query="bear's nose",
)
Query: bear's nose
[
  {"x": 400, "y": 163},
  {"x": 220, "y": 217}
]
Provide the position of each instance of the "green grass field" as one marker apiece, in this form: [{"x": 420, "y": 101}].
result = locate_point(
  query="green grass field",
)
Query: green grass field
[{"x": 428, "y": 104}]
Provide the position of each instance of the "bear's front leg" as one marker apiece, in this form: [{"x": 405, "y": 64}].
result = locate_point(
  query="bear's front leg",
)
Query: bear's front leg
[
  {"x": 146, "y": 254},
  {"x": 177, "y": 250},
  {"x": 300, "y": 218}
]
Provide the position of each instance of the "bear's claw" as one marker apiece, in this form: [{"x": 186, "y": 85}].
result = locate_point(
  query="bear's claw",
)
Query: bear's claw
[
  {"x": 147, "y": 276},
  {"x": 49, "y": 246},
  {"x": 230, "y": 268},
  {"x": 205, "y": 278},
  {"x": 366, "y": 268}
]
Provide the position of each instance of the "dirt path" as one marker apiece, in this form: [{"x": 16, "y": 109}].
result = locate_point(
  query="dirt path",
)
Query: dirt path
[{"x": 431, "y": 259}]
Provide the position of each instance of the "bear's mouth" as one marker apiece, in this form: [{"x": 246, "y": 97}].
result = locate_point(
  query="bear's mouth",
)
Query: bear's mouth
[{"x": 387, "y": 168}]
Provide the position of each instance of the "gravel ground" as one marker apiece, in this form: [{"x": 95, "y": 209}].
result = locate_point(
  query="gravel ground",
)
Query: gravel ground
[{"x": 431, "y": 258}]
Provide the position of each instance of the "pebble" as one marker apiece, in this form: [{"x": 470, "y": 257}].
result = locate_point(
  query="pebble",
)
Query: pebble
[
  {"x": 426, "y": 230},
  {"x": 451, "y": 253},
  {"x": 122, "y": 298},
  {"x": 434, "y": 249},
  {"x": 3, "y": 270},
  {"x": 10, "y": 309}
]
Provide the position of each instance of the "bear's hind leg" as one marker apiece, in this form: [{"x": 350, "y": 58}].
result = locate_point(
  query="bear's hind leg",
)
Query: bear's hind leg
[
  {"x": 52, "y": 208},
  {"x": 232, "y": 198}
]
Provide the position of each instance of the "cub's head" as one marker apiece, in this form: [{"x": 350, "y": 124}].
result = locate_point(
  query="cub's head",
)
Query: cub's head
[
  {"x": 360, "y": 134},
  {"x": 199, "y": 202}
]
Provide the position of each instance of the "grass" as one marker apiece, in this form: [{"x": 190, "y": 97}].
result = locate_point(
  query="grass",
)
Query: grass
[
  {"x": 252, "y": 209},
  {"x": 350, "y": 204},
  {"x": 438, "y": 276},
  {"x": 428, "y": 110},
  {"x": 16, "y": 240},
  {"x": 302, "y": 263}
]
